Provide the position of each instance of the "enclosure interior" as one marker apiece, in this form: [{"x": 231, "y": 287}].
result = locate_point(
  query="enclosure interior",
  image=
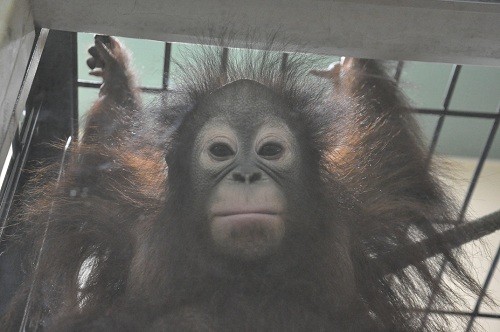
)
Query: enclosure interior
[{"x": 457, "y": 107}]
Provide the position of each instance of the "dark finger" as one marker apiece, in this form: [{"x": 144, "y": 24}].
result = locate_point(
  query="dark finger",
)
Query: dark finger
[
  {"x": 93, "y": 51},
  {"x": 105, "y": 39},
  {"x": 91, "y": 62},
  {"x": 95, "y": 62},
  {"x": 104, "y": 52}
]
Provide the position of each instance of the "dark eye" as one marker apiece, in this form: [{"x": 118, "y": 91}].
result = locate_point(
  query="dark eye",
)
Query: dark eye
[
  {"x": 221, "y": 151},
  {"x": 270, "y": 150}
]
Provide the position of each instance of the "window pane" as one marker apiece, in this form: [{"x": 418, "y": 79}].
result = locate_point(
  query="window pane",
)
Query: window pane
[
  {"x": 425, "y": 83},
  {"x": 464, "y": 137},
  {"x": 477, "y": 89}
]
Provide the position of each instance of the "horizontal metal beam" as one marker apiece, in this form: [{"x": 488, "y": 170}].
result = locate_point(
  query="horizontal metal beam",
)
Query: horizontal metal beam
[{"x": 464, "y": 32}]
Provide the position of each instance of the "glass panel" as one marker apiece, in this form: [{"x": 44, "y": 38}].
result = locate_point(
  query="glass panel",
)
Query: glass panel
[
  {"x": 427, "y": 124},
  {"x": 463, "y": 137},
  {"x": 180, "y": 50},
  {"x": 323, "y": 61},
  {"x": 178, "y": 54},
  {"x": 477, "y": 89},
  {"x": 86, "y": 97},
  {"x": 425, "y": 83},
  {"x": 238, "y": 55}
]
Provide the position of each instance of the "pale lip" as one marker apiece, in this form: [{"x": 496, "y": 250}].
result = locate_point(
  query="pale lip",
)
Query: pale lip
[
  {"x": 244, "y": 212},
  {"x": 242, "y": 217},
  {"x": 246, "y": 217}
]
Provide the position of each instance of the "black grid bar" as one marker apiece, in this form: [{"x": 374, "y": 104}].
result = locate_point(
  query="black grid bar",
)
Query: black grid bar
[
  {"x": 284, "y": 60},
  {"x": 74, "y": 93},
  {"x": 223, "y": 60},
  {"x": 399, "y": 71},
  {"x": 466, "y": 114},
  {"x": 428, "y": 111},
  {"x": 470, "y": 191},
  {"x": 166, "y": 66},
  {"x": 459, "y": 313},
  {"x": 449, "y": 94}
]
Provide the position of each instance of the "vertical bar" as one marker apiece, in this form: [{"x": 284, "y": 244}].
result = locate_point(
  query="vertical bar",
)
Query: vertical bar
[
  {"x": 224, "y": 59},
  {"x": 284, "y": 59},
  {"x": 449, "y": 94},
  {"x": 74, "y": 92},
  {"x": 166, "y": 65},
  {"x": 399, "y": 70},
  {"x": 56, "y": 81}
]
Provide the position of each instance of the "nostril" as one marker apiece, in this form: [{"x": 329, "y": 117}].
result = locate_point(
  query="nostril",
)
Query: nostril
[
  {"x": 255, "y": 177},
  {"x": 238, "y": 177},
  {"x": 246, "y": 178}
]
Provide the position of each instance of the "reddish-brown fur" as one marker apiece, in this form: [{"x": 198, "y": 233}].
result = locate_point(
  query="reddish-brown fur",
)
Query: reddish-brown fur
[{"x": 371, "y": 179}]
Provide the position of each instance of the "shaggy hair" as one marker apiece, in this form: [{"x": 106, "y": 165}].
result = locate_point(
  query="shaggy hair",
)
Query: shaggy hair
[{"x": 115, "y": 191}]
